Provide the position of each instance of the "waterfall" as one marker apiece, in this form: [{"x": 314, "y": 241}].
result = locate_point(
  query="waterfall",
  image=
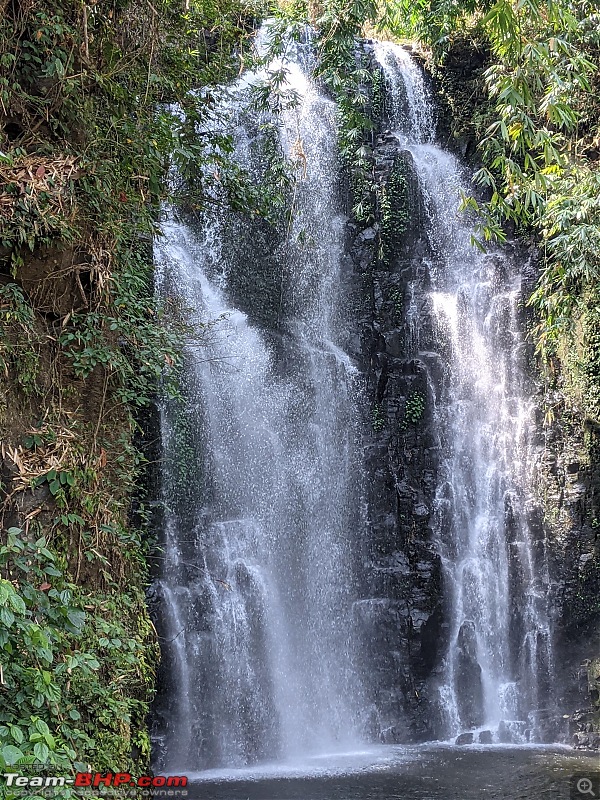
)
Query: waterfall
[
  {"x": 265, "y": 605},
  {"x": 497, "y": 668},
  {"x": 262, "y": 470}
]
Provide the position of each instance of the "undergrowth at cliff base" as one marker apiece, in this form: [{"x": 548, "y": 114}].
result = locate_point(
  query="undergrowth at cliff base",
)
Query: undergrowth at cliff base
[{"x": 100, "y": 106}]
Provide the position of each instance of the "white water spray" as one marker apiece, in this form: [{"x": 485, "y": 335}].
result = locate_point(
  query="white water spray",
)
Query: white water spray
[{"x": 498, "y": 663}]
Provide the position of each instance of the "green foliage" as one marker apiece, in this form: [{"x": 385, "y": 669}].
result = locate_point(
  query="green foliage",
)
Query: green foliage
[
  {"x": 430, "y": 21},
  {"x": 18, "y": 339},
  {"x": 40, "y": 630},
  {"x": 579, "y": 355},
  {"x": 396, "y": 298},
  {"x": 378, "y": 418},
  {"x": 415, "y": 408},
  {"x": 378, "y": 95},
  {"x": 337, "y": 25},
  {"x": 95, "y": 143},
  {"x": 542, "y": 86},
  {"x": 572, "y": 233},
  {"x": 393, "y": 209},
  {"x": 275, "y": 181},
  {"x": 536, "y": 171},
  {"x": 349, "y": 81},
  {"x": 340, "y": 67},
  {"x": 100, "y": 106},
  {"x": 75, "y": 668}
]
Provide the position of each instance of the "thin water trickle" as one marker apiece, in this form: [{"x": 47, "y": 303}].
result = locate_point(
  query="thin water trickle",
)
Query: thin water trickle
[{"x": 498, "y": 665}]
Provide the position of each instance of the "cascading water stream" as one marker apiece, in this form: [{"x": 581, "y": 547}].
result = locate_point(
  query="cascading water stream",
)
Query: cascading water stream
[
  {"x": 262, "y": 478},
  {"x": 258, "y": 593},
  {"x": 498, "y": 664}
]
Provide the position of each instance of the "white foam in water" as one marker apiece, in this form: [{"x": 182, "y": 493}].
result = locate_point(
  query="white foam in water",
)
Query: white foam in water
[{"x": 323, "y": 765}]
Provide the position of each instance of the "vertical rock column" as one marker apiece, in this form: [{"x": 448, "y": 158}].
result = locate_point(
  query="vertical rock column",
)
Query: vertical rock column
[{"x": 401, "y": 612}]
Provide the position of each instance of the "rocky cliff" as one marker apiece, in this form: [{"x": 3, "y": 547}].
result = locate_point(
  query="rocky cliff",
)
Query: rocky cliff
[{"x": 405, "y": 618}]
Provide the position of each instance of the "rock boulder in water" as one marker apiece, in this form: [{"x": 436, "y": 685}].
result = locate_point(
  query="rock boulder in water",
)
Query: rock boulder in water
[{"x": 464, "y": 738}]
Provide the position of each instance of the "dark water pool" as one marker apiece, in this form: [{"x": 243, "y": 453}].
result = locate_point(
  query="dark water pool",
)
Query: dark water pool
[{"x": 415, "y": 773}]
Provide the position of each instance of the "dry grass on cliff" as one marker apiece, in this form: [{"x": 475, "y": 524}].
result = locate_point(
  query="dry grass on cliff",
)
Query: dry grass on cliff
[{"x": 39, "y": 184}]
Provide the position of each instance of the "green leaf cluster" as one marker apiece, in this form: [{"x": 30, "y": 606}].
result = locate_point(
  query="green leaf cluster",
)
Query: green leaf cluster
[
  {"x": 343, "y": 71},
  {"x": 75, "y": 668},
  {"x": 393, "y": 208},
  {"x": 414, "y": 409},
  {"x": 339, "y": 66},
  {"x": 41, "y": 626}
]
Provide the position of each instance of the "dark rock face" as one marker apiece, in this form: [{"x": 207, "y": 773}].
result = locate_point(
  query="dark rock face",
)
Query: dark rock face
[
  {"x": 401, "y": 614},
  {"x": 402, "y": 610},
  {"x": 504, "y": 733},
  {"x": 569, "y": 473},
  {"x": 469, "y": 685},
  {"x": 464, "y": 738}
]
